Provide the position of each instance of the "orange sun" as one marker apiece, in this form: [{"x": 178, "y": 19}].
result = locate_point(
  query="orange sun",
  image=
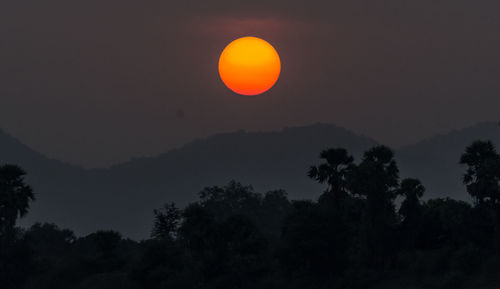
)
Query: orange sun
[{"x": 249, "y": 66}]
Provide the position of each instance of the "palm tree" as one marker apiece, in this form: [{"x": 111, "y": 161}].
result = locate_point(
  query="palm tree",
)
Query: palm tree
[
  {"x": 412, "y": 190},
  {"x": 334, "y": 171},
  {"x": 482, "y": 177},
  {"x": 411, "y": 209},
  {"x": 15, "y": 196},
  {"x": 376, "y": 179}
]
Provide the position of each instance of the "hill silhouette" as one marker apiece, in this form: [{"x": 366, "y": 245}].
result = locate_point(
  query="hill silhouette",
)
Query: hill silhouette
[
  {"x": 435, "y": 160},
  {"x": 122, "y": 197}
]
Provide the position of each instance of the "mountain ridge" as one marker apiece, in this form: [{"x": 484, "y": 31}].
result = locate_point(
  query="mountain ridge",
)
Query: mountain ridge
[{"x": 123, "y": 196}]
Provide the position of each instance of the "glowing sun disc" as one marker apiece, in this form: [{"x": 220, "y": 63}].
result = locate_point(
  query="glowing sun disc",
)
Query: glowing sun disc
[{"x": 249, "y": 66}]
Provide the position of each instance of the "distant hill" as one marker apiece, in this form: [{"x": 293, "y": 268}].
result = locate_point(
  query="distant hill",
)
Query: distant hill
[
  {"x": 436, "y": 160},
  {"x": 123, "y": 197},
  {"x": 57, "y": 185}
]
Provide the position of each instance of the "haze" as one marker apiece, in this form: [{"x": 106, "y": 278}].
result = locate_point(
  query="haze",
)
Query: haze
[{"x": 95, "y": 83}]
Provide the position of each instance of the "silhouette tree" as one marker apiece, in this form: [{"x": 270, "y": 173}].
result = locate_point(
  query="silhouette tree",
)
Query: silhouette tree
[
  {"x": 412, "y": 190},
  {"x": 274, "y": 209},
  {"x": 53, "y": 248},
  {"x": 162, "y": 265},
  {"x": 445, "y": 223},
  {"x": 99, "y": 253},
  {"x": 265, "y": 211},
  {"x": 232, "y": 199},
  {"x": 223, "y": 253},
  {"x": 240, "y": 255},
  {"x": 376, "y": 180},
  {"x": 482, "y": 177},
  {"x": 15, "y": 197},
  {"x": 15, "y": 255},
  {"x": 313, "y": 244},
  {"x": 166, "y": 222},
  {"x": 48, "y": 241},
  {"x": 235, "y": 237},
  {"x": 333, "y": 172},
  {"x": 410, "y": 209},
  {"x": 16, "y": 261}
]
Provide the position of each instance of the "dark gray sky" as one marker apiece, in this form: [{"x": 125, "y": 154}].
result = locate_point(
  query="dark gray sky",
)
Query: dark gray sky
[{"x": 95, "y": 82}]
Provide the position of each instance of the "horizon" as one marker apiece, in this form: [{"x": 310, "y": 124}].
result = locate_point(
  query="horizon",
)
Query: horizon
[
  {"x": 131, "y": 158},
  {"x": 249, "y": 144},
  {"x": 96, "y": 84}
]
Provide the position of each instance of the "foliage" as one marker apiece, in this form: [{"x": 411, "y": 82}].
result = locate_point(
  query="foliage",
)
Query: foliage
[
  {"x": 353, "y": 236},
  {"x": 15, "y": 196},
  {"x": 166, "y": 222}
]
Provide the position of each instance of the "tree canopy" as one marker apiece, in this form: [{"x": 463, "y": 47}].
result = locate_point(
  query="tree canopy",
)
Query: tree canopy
[{"x": 368, "y": 229}]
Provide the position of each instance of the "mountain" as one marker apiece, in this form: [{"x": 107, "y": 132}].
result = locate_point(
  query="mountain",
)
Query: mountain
[
  {"x": 435, "y": 161},
  {"x": 122, "y": 197},
  {"x": 55, "y": 183}
]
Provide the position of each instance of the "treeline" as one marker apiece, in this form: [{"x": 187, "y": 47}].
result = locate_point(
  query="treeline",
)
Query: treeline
[{"x": 368, "y": 229}]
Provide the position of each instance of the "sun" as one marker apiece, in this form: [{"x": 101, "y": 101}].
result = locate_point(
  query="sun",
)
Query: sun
[{"x": 249, "y": 66}]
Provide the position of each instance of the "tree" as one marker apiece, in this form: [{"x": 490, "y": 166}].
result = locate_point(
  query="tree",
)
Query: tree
[
  {"x": 411, "y": 208},
  {"x": 333, "y": 172},
  {"x": 99, "y": 252},
  {"x": 15, "y": 196},
  {"x": 16, "y": 262},
  {"x": 162, "y": 266},
  {"x": 48, "y": 240},
  {"x": 241, "y": 254},
  {"x": 232, "y": 199},
  {"x": 412, "y": 190},
  {"x": 15, "y": 255},
  {"x": 223, "y": 253},
  {"x": 445, "y": 222},
  {"x": 482, "y": 177},
  {"x": 376, "y": 180},
  {"x": 376, "y": 177},
  {"x": 275, "y": 207},
  {"x": 166, "y": 222},
  {"x": 313, "y": 244},
  {"x": 52, "y": 250}
]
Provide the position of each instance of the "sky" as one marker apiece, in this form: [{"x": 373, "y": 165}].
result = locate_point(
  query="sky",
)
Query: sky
[{"x": 96, "y": 82}]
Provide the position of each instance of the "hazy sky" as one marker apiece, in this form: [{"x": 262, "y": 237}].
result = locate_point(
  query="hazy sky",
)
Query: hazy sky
[{"x": 95, "y": 82}]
